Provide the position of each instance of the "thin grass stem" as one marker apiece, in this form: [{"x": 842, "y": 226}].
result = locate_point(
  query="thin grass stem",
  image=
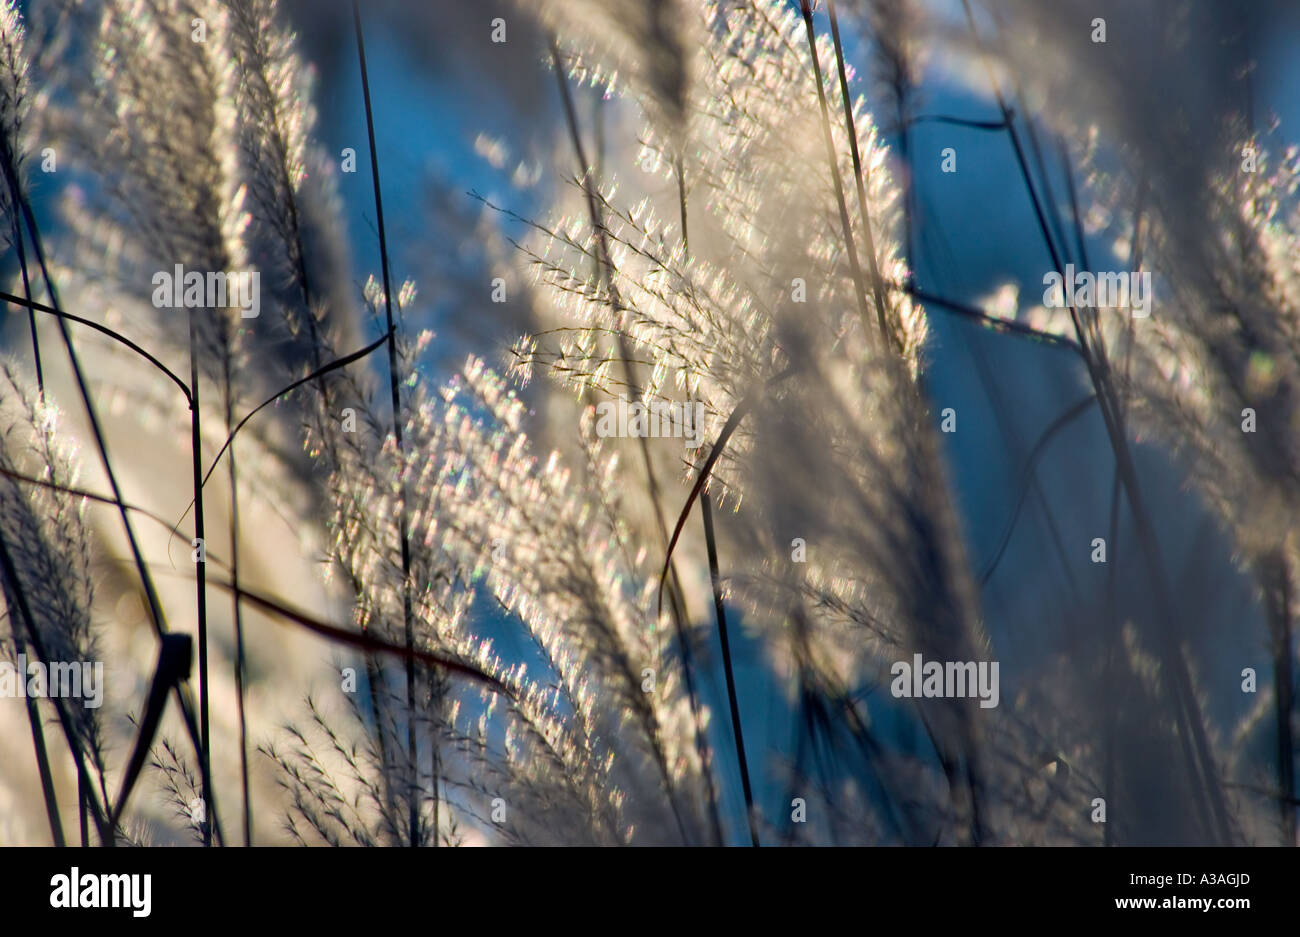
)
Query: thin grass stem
[{"x": 413, "y": 807}]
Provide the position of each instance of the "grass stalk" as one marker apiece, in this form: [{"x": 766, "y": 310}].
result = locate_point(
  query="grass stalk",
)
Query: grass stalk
[
  {"x": 1208, "y": 791},
  {"x": 118, "y": 337},
  {"x": 413, "y": 806},
  {"x": 33, "y": 711},
  {"x": 846, "y": 226},
  {"x": 43, "y": 763},
  {"x": 720, "y": 611},
  {"x": 606, "y": 272},
  {"x": 706, "y": 512},
  {"x": 1028, "y": 483},
  {"x": 200, "y": 570},
  {"x": 237, "y": 609},
  {"x": 954, "y": 771},
  {"x": 83, "y": 784},
  {"x": 20, "y": 247},
  {"x": 157, "y": 617},
  {"x": 869, "y": 242},
  {"x": 23, "y": 612}
]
